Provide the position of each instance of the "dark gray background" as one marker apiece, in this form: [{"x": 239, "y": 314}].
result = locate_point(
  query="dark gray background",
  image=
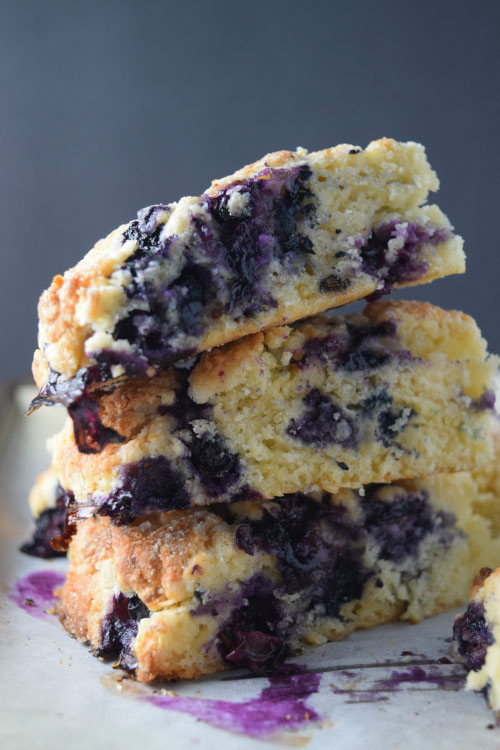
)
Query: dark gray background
[{"x": 109, "y": 106}]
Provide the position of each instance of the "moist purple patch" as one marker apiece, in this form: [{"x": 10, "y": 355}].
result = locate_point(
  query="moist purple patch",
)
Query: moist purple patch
[
  {"x": 399, "y": 526},
  {"x": 253, "y": 635},
  {"x": 208, "y": 455},
  {"x": 354, "y": 349},
  {"x": 120, "y": 627},
  {"x": 406, "y": 263},
  {"x": 35, "y": 592},
  {"x": 281, "y": 706},
  {"x": 49, "y": 525},
  {"x": 91, "y": 436},
  {"x": 412, "y": 675},
  {"x": 241, "y": 246},
  {"x": 276, "y": 199},
  {"x": 147, "y": 486},
  {"x": 323, "y": 423},
  {"x": 472, "y": 636},
  {"x": 316, "y": 547},
  {"x": 485, "y": 401}
]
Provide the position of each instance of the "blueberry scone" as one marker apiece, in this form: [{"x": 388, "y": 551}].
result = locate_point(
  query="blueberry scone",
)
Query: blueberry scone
[
  {"x": 476, "y": 636},
  {"x": 48, "y": 504},
  {"x": 291, "y": 235},
  {"x": 402, "y": 390},
  {"x": 184, "y": 593}
]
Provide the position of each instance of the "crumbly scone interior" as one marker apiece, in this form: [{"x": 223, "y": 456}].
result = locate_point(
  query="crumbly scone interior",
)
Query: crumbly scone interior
[
  {"x": 194, "y": 571},
  {"x": 350, "y": 191},
  {"x": 413, "y": 410}
]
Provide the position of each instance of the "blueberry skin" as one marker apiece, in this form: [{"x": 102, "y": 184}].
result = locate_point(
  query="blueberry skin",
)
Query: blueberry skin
[{"x": 473, "y": 636}]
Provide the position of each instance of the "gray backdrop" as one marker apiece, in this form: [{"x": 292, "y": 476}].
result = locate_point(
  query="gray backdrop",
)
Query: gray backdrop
[{"x": 109, "y": 106}]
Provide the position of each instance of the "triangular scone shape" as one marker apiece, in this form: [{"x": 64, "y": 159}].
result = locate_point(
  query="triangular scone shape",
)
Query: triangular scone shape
[{"x": 291, "y": 235}]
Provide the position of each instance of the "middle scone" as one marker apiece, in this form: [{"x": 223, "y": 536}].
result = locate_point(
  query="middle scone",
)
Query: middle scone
[{"x": 402, "y": 390}]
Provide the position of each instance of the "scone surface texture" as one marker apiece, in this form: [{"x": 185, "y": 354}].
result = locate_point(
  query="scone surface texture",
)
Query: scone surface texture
[
  {"x": 189, "y": 592},
  {"x": 402, "y": 390},
  {"x": 291, "y": 235}
]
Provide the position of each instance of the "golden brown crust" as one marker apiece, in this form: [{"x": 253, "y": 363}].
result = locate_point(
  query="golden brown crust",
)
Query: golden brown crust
[
  {"x": 220, "y": 369},
  {"x": 337, "y": 155},
  {"x": 479, "y": 581},
  {"x": 89, "y": 547}
]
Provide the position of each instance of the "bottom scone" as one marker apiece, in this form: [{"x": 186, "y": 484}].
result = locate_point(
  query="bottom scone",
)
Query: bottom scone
[
  {"x": 476, "y": 636},
  {"x": 189, "y": 592}
]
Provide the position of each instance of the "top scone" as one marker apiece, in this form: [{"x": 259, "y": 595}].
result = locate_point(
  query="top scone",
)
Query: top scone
[{"x": 286, "y": 237}]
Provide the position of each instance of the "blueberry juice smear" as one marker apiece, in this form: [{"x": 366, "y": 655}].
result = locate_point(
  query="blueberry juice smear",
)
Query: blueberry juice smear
[
  {"x": 280, "y": 707},
  {"x": 35, "y": 593}
]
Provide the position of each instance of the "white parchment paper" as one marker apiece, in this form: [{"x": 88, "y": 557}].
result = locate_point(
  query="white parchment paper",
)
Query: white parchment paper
[{"x": 54, "y": 694}]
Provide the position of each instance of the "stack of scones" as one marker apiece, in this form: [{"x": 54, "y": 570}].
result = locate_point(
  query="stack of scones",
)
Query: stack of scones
[{"x": 243, "y": 473}]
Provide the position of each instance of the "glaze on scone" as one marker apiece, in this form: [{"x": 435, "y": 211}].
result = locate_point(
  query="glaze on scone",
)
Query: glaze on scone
[
  {"x": 294, "y": 234},
  {"x": 402, "y": 390},
  {"x": 189, "y": 592}
]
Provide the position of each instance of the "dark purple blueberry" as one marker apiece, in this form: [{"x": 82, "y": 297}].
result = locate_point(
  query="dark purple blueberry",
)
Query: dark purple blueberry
[
  {"x": 217, "y": 468},
  {"x": 407, "y": 263},
  {"x": 195, "y": 282},
  {"x": 120, "y": 627},
  {"x": 183, "y": 409},
  {"x": 485, "y": 401},
  {"x": 399, "y": 525},
  {"x": 392, "y": 422},
  {"x": 334, "y": 283},
  {"x": 256, "y": 651},
  {"x": 49, "y": 525},
  {"x": 242, "y": 246},
  {"x": 91, "y": 436},
  {"x": 473, "y": 636},
  {"x": 251, "y": 636},
  {"x": 267, "y": 230},
  {"x": 147, "y": 486},
  {"x": 147, "y": 239},
  {"x": 323, "y": 423},
  {"x": 377, "y": 401},
  {"x": 316, "y": 548},
  {"x": 354, "y": 349}
]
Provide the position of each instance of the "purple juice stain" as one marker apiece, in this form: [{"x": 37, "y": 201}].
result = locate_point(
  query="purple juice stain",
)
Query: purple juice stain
[
  {"x": 418, "y": 675},
  {"x": 280, "y": 706},
  {"x": 35, "y": 592}
]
